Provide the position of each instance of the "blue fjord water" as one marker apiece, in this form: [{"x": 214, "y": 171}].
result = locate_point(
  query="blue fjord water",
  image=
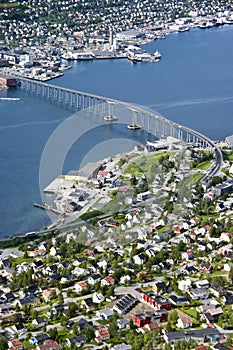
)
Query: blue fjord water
[{"x": 192, "y": 84}]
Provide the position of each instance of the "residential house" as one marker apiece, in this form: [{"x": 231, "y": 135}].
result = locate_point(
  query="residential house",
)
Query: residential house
[
  {"x": 125, "y": 304},
  {"x": 76, "y": 341},
  {"x": 50, "y": 270},
  {"x": 80, "y": 286},
  {"x": 87, "y": 304},
  {"x": 149, "y": 327},
  {"x": 228, "y": 266},
  {"x": 184, "y": 321},
  {"x": 98, "y": 298},
  {"x": 217, "y": 290},
  {"x": 15, "y": 344},
  {"x": 185, "y": 285},
  {"x": 10, "y": 297},
  {"x": 206, "y": 267},
  {"x": 139, "y": 259},
  {"x": 39, "y": 338},
  {"x": 18, "y": 329},
  {"x": 102, "y": 264},
  {"x": 202, "y": 284},
  {"x": 53, "y": 251},
  {"x": 37, "y": 252},
  {"x": 156, "y": 301},
  {"x": 39, "y": 322},
  {"x": 226, "y": 249},
  {"x": 104, "y": 314},
  {"x": 37, "y": 265},
  {"x": 227, "y": 299},
  {"x": 101, "y": 335},
  {"x": 78, "y": 271},
  {"x": 107, "y": 281},
  {"x": 30, "y": 299},
  {"x": 94, "y": 279},
  {"x": 92, "y": 251},
  {"x": 49, "y": 344},
  {"x": 141, "y": 319},
  {"x": 202, "y": 335},
  {"x": 83, "y": 324},
  {"x": 198, "y": 293},
  {"x": 212, "y": 314},
  {"x": 58, "y": 310},
  {"x": 125, "y": 279},
  {"x": 226, "y": 236},
  {"x": 123, "y": 323},
  {"x": 176, "y": 300},
  {"x": 48, "y": 294},
  {"x": 188, "y": 255},
  {"x": 160, "y": 287}
]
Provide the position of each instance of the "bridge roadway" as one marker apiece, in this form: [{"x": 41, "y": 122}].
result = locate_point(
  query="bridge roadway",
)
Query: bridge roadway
[{"x": 163, "y": 126}]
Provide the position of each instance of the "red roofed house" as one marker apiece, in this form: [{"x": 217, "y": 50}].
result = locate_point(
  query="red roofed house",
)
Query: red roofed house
[
  {"x": 37, "y": 252},
  {"x": 15, "y": 344},
  {"x": 101, "y": 334},
  {"x": 149, "y": 327},
  {"x": 107, "y": 281},
  {"x": 80, "y": 286},
  {"x": 48, "y": 294},
  {"x": 226, "y": 236},
  {"x": 49, "y": 344}
]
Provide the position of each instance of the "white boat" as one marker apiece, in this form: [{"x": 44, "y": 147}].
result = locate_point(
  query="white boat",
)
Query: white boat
[
  {"x": 134, "y": 126},
  {"x": 157, "y": 55},
  {"x": 83, "y": 56}
]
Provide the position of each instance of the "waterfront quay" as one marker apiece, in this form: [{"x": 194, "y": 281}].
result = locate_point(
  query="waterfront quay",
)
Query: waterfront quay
[{"x": 38, "y": 55}]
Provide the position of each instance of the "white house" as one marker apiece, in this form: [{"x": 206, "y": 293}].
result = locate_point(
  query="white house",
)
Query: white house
[
  {"x": 125, "y": 279},
  {"x": 53, "y": 251},
  {"x": 184, "y": 285},
  {"x": 105, "y": 314},
  {"x": 80, "y": 286},
  {"x": 184, "y": 321},
  {"x": 98, "y": 298}
]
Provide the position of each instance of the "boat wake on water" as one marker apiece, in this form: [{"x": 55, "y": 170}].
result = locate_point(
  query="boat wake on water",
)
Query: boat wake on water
[
  {"x": 193, "y": 102},
  {"x": 20, "y": 125}
]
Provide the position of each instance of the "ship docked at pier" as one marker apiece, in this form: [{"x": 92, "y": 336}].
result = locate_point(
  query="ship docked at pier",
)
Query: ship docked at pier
[{"x": 136, "y": 54}]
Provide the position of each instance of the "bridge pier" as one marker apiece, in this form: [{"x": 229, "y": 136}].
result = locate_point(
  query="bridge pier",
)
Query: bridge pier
[
  {"x": 110, "y": 117},
  {"x": 105, "y": 108}
]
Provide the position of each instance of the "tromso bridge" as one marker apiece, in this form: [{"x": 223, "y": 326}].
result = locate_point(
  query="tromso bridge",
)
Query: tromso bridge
[{"x": 139, "y": 117}]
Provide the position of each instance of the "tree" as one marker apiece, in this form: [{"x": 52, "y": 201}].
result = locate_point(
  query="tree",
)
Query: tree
[
  {"x": 60, "y": 298},
  {"x": 173, "y": 317},
  {"x": 131, "y": 324},
  {"x": 230, "y": 275},
  {"x": 72, "y": 308},
  {"x": 3, "y": 343},
  {"x": 113, "y": 328},
  {"x": 34, "y": 314},
  {"x": 133, "y": 181},
  {"x": 89, "y": 334},
  {"x": 53, "y": 333}
]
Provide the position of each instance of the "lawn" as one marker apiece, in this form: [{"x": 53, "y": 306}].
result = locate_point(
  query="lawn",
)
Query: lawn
[
  {"x": 145, "y": 164},
  {"x": 204, "y": 165},
  {"x": 228, "y": 155},
  {"x": 115, "y": 205},
  {"x": 192, "y": 180}
]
